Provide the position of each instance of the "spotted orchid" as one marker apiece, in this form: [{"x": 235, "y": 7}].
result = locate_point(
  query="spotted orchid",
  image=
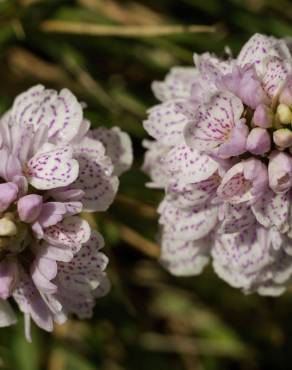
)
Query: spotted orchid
[
  {"x": 222, "y": 154},
  {"x": 52, "y": 169}
]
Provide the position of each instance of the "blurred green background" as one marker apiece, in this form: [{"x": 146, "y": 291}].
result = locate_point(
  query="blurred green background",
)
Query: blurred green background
[{"x": 150, "y": 320}]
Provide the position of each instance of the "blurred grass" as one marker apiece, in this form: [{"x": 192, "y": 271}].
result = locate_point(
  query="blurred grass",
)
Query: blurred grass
[{"x": 150, "y": 320}]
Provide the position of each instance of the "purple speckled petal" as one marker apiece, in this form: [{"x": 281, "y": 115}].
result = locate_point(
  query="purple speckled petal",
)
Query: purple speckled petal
[
  {"x": 154, "y": 163},
  {"x": 71, "y": 233},
  {"x": 191, "y": 224},
  {"x": 188, "y": 165},
  {"x": 165, "y": 123},
  {"x": 117, "y": 145},
  {"x": 258, "y": 48},
  {"x": 190, "y": 195},
  {"x": 52, "y": 169},
  {"x": 184, "y": 258},
  {"x": 214, "y": 122},
  {"x": 234, "y": 218},
  {"x": 273, "y": 210},
  {"x": 96, "y": 177},
  {"x": 61, "y": 113},
  {"x": 276, "y": 72}
]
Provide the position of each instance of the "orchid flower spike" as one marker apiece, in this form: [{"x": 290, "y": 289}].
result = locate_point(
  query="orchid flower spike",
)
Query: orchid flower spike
[
  {"x": 52, "y": 168},
  {"x": 222, "y": 152}
]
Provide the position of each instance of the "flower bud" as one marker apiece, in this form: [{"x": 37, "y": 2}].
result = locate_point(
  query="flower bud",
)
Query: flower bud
[
  {"x": 283, "y": 138},
  {"x": 280, "y": 172},
  {"x": 29, "y": 207},
  {"x": 284, "y": 114},
  {"x": 258, "y": 141},
  {"x": 263, "y": 116},
  {"x": 7, "y": 227},
  {"x": 8, "y": 194}
]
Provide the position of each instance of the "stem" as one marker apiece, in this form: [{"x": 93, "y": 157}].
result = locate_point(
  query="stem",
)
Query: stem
[{"x": 56, "y": 26}]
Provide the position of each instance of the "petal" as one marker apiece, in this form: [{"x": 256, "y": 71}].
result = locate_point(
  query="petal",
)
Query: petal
[
  {"x": 191, "y": 224},
  {"x": 259, "y": 47},
  {"x": 52, "y": 169},
  {"x": 236, "y": 217},
  {"x": 154, "y": 163},
  {"x": 272, "y": 210},
  {"x": 184, "y": 258},
  {"x": 8, "y": 194},
  {"x": 177, "y": 84},
  {"x": 43, "y": 270},
  {"x": 214, "y": 122},
  {"x": 95, "y": 176},
  {"x": 165, "y": 123},
  {"x": 30, "y": 302},
  {"x": 190, "y": 195},
  {"x": 29, "y": 207},
  {"x": 70, "y": 233},
  {"x": 118, "y": 147},
  {"x": 275, "y": 76},
  {"x": 188, "y": 165},
  {"x": 61, "y": 113}
]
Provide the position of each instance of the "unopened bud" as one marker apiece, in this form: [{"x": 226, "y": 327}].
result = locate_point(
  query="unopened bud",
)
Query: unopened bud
[
  {"x": 284, "y": 114},
  {"x": 283, "y": 138},
  {"x": 258, "y": 141},
  {"x": 7, "y": 227},
  {"x": 263, "y": 116}
]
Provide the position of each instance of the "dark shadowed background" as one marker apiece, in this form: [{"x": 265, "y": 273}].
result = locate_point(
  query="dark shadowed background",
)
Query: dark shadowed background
[{"x": 150, "y": 320}]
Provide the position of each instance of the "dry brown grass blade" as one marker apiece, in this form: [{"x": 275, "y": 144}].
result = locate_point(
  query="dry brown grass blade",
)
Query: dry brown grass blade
[
  {"x": 137, "y": 241},
  {"x": 56, "y": 26}
]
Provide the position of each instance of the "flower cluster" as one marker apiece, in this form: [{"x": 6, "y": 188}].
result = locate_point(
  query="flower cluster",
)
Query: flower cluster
[
  {"x": 223, "y": 155},
  {"x": 53, "y": 167}
]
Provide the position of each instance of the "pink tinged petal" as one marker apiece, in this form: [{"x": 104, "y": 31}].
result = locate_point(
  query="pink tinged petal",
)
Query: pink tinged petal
[
  {"x": 283, "y": 138},
  {"x": 188, "y": 165},
  {"x": 244, "y": 182},
  {"x": 55, "y": 253},
  {"x": 61, "y": 113},
  {"x": 8, "y": 277},
  {"x": 258, "y": 141},
  {"x": 191, "y": 224},
  {"x": 154, "y": 163},
  {"x": 43, "y": 270},
  {"x": 234, "y": 218},
  {"x": 244, "y": 83},
  {"x": 272, "y": 210},
  {"x": 95, "y": 176},
  {"x": 7, "y": 316},
  {"x": 190, "y": 195},
  {"x": 8, "y": 194},
  {"x": 165, "y": 123},
  {"x": 73, "y": 208},
  {"x": 263, "y": 116},
  {"x": 55, "y": 168},
  {"x": 236, "y": 143},
  {"x": 51, "y": 214},
  {"x": 29, "y": 207},
  {"x": 258, "y": 48},
  {"x": 30, "y": 302},
  {"x": 184, "y": 258},
  {"x": 177, "y": 84},
  {"x": 21, "y": 142},
  {"x": 13, "y": 168},
  {"x": 214, "y": 123},
  {"x": 118, "y": 147},
  {"x": 280, "y": 172}
]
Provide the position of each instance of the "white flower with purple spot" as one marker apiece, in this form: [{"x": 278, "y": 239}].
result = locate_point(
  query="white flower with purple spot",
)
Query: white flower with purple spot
[
  {"x": 222, "y": 153},
  {"x": 53, "y": 168}
]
